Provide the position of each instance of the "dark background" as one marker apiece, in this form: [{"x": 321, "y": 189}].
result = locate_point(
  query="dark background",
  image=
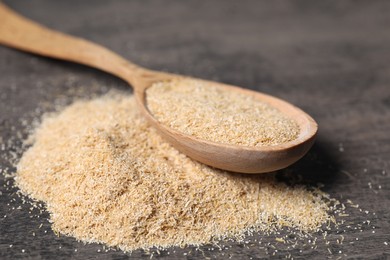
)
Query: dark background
[{"x": 331, "y": 58}]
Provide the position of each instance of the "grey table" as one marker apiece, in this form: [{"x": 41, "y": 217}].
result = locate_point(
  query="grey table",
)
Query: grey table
[{"x": 331, "y": 58}]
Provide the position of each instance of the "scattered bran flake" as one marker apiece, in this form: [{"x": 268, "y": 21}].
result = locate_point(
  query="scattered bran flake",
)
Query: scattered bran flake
[
  {"x": 107, "y": 176},
  {"x": 205, "y": 111}
]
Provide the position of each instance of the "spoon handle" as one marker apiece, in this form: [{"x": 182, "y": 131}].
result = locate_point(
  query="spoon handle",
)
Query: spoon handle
[{"x": 23, "y": 34}]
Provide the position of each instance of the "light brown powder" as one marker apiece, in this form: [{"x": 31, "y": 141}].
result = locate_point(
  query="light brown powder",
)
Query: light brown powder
[
  {"x": 106, "y": 176},
  {"x": 205, "y": 111}
]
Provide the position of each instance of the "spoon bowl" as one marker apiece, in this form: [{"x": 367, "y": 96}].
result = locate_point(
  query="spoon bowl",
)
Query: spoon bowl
[
  {"x": 244, "y": 159},
  {"x": 23, "y": 34}
]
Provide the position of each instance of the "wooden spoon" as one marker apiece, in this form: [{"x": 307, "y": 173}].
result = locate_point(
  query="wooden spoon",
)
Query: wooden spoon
[{"x": 23, "y": 34}]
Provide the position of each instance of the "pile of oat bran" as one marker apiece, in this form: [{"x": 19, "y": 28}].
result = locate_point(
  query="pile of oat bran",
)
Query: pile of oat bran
[{"x": 106, "y": 176}]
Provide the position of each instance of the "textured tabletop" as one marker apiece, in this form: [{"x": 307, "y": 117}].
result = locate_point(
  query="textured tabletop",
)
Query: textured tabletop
[{"x": 330, "y": 58}]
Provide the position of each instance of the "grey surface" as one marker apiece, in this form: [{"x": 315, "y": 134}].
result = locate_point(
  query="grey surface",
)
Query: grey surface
[{"x": 331, "y": 58}]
